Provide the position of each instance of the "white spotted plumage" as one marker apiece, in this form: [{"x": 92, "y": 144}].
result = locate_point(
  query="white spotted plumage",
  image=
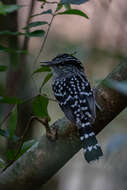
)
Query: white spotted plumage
[{"x": 75, "y": 97}]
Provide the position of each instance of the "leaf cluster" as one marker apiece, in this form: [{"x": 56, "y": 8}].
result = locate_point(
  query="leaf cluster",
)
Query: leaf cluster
[{"x": 41, "y": 101}]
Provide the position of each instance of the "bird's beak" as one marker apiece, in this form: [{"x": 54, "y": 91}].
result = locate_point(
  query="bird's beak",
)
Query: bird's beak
[{"x": 47, "y": 63}]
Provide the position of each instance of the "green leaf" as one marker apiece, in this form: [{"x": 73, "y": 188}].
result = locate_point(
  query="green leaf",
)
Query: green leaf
[
  {"x": 116, "y": 85},
  {"x": 7, "y": 32},
  {"x": 4, "y": 133},
  {"x": 98, "y": 81},
  {"x": 76, "y": 2},
  {"x": 43, "y": 69},
  {"x": 4, "y": 49},
  {"x": 10, "y": 154},
  {"x": 48, "y": 76},
  {"x": 49, "y": 11},
  {"x": 40, "y": 106},
  {"x": 73, "y": 12},
  {"x": 46, "y": 79},
  {"x": 10, "y": 100},
  {"x": 59, "y": 6},
  {"x": 36, "y": 33},
  {"x": 5, "y": 9},
  {"x": 3, "y": 68},
  {"x": 34, "y": 24},
  {"x": 10, "y": 50}
]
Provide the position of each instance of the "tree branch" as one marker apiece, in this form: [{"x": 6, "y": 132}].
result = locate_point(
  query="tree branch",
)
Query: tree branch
[{"x": 45, "y": 158}]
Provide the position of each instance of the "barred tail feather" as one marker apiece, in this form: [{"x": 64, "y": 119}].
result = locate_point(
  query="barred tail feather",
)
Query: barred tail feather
[
  {"x": 91, "y": 148},
  {"x": 93, "y": 153}
]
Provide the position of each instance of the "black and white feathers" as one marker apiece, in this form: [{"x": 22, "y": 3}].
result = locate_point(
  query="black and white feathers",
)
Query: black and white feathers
[{"x": 76, "y": 98}]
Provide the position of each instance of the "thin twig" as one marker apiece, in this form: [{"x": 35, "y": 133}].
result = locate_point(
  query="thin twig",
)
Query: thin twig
[
  {"x": 42, "y": 47},
  {"x": 43, "y": 44}
]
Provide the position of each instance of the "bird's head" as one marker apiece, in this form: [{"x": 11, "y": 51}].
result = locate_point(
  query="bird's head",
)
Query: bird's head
[{"x": 64, "y": 63}]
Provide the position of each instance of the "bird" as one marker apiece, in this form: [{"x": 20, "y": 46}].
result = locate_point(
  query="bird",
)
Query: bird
[{"x": 76, "y": 98}]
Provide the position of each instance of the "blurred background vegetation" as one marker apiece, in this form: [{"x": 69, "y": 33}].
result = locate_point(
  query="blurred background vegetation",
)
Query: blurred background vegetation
[{"x": 100, "y": 42}]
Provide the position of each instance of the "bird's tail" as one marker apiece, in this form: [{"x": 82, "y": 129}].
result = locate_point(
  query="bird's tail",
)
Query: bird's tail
[{"x": 91, "y": 148}]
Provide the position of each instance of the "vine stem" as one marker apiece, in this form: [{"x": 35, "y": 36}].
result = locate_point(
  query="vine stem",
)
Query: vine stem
[{"x": 43, "y": 44}]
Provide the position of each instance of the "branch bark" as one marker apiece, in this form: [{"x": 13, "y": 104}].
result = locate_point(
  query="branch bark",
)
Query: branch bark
[{"x": 45, "y": 158}]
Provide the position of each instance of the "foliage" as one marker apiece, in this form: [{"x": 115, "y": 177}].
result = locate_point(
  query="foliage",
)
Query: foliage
[
  {"x": 34, "y": 24},
  {"x": 11, "y": 50},
  {"x": 3, "y": 68},
  {"x": 73, "y": 12},
  {"x": 10, "y": 100},
  {"x": 43, "y": 69},
  {"x": 49, "y": 11},
  {"x": 6, "y": 9},
  {"x": 40, "y": 104},
  {"x": 31, "y": 30},
  {"x": 76, "y": 2}
]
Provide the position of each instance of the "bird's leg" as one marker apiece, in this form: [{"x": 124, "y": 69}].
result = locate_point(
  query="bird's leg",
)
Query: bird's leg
[{"x": 51, "y": 133}]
